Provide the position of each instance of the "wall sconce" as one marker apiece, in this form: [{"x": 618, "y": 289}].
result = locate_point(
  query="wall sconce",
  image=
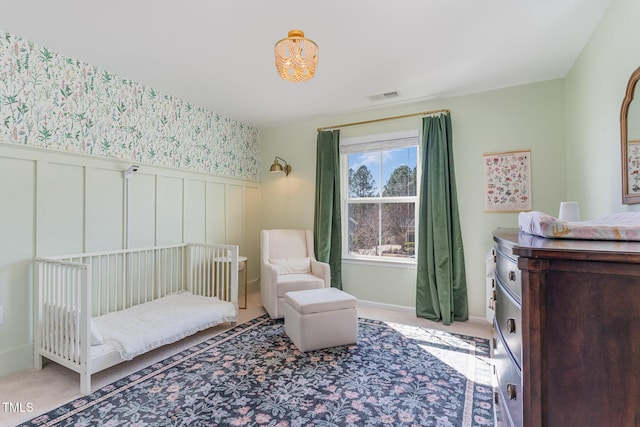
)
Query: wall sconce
[{"x": 277, "y": 167}]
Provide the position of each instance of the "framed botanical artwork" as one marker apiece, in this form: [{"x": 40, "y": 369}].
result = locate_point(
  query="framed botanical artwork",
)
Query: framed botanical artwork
[
  {"x": 633, "y": 166},
  {"x": 507, "y": 181}
]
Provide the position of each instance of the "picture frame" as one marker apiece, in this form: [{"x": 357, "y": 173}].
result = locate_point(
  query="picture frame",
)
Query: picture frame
[
  {"x": 507, "y": 181},
  {"x": 633, "y": 166}
]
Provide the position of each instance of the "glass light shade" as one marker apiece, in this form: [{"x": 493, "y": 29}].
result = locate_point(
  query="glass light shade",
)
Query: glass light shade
[{"x": 296, "y": 57}]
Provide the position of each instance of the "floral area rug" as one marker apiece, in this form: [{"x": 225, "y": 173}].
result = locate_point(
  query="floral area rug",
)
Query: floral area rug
[{"x": 253, "y": 375}]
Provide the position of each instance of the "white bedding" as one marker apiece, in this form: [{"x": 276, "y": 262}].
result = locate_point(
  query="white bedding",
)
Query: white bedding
[
  {"x": 618, "y": 226},
  {"x": 142, "y": 328}
]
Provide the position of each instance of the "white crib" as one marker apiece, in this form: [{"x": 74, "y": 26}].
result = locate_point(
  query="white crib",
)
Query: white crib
[{"x": 71, "y": 290}]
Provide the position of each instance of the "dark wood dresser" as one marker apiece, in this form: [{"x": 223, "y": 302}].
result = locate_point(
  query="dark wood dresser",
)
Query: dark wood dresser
[{"x": 567, "y": 331}]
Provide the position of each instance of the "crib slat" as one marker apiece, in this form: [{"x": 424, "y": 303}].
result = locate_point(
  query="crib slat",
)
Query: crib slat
[{"x": 118, "y": 285}]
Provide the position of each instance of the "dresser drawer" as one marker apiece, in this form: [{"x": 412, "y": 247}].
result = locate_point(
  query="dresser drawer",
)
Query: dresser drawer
[
  {"x": 509, "y": 322},
  {"x": 508, "y": 273},
  {"x": 509, "y": 387}
]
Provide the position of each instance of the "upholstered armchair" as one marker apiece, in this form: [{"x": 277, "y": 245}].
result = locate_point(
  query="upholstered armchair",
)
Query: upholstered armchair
[{"x": 288, "y": 263}]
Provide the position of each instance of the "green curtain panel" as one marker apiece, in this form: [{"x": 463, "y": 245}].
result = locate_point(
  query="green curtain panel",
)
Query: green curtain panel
[
  {"x": 441, "y": 288},
  {"x": 327, "y": 227}
]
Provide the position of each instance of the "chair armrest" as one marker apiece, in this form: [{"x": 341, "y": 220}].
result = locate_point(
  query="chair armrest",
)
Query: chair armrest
[
  {"x": 322, "y": 270},
  {"x": 268, "y": 273},
  {"x": 269, "y": 288}
]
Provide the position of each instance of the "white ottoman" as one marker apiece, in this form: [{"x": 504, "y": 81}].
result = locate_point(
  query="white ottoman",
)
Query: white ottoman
[{"x": 320, "y": 318}]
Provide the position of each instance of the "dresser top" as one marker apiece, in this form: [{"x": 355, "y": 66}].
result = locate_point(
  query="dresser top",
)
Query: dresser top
[{"x": 530, "y": 246}]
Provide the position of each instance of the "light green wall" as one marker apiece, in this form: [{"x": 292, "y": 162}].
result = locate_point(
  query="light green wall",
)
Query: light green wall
[
  {"x": 570, "y": 125},
  {"x": 520, "y": 118},
  {"x": 595, "y": 88}
]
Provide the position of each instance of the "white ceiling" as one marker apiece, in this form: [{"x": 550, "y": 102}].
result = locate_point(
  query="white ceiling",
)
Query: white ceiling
[{"x": 219, "y": 54}]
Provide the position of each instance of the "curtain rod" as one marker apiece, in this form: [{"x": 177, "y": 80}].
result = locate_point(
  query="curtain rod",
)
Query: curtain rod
[{"x": 424, "y": 113}]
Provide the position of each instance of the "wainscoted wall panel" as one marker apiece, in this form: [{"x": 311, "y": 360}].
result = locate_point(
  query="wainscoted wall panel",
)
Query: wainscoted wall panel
[
  {"x": 141, "y": 215},
  {"x": 216, "y": 217},
  {"x": 60, "y": 205},
  {"x": 169, "y": 210},
  {"x": 57, "y": 203},
  {"x": 16, "y": 250},
  {"x": 194, "y": 211},
  {"x": 235, "y": 212},
  {"x": 253, "y": 221},
  {"x": 104, "y": 210},
  {"x": 61, "y": 103}
]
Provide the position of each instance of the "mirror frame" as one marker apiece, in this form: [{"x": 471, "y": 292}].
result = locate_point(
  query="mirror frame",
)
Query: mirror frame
[{"x": 627, "y": 198}]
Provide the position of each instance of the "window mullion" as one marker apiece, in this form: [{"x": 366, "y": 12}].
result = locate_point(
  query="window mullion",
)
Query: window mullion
[
  {"x": 380, "y": 174},
  {"x": 379, "y": 251}
]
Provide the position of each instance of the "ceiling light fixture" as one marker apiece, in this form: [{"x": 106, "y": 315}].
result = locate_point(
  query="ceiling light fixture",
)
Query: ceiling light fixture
[{"x": 296, "y": 57}]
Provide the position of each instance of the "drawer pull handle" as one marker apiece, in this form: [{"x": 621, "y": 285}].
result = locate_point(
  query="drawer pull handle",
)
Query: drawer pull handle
[
  {"x": 511, "y": 325},
  {"x": 512, "y": 276},
  {"x": 511, "y": 391}
]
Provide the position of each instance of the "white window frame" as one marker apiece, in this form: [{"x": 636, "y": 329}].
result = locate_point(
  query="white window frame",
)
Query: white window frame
[{"x": 374, "y": 143}]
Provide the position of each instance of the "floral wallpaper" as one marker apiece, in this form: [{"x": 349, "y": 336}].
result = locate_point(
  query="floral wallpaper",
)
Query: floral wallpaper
[{"x": 52, "y": 101}]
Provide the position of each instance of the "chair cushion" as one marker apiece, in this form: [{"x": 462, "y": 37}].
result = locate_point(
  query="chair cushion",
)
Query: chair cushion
[
  {"x": 292, "y": 265},
  {"x": 287, "y": 244},
  {"x": 297, "y": 282},
  {"x": 320, "y": 300}
]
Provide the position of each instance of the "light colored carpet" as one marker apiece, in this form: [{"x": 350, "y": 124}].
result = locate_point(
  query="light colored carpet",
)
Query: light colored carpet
[{"x": 39, "y": 391}]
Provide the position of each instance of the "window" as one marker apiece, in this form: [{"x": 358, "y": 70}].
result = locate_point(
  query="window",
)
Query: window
[{"x": 380, "y": 196}]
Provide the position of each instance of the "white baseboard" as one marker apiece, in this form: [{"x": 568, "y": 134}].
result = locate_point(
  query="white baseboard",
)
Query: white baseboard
[
  {"x": 394, "y": 307},
  {"x": 479, "y": 319},
  {"x": 253, "y": 285},
  {"x": 411, "y": 310},
  {"x": 16, "y": 359}
]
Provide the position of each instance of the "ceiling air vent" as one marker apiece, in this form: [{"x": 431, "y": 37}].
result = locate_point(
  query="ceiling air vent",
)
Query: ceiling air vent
[{"x": 383, "y": 96}]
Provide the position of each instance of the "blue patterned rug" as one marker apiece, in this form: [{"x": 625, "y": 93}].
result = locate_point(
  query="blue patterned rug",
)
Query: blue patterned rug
[{"x": 252, "y": 375}]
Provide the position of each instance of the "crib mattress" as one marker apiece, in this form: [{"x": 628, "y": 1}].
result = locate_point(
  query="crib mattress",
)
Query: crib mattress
[
  {"x": 144, "y": 327},
  {"x": 618, "y": 226}
]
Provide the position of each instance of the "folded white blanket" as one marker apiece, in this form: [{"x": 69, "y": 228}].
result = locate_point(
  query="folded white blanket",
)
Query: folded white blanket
[
  {"x": 142, "y": 328},
  {"x": 618, "y": 226}
]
